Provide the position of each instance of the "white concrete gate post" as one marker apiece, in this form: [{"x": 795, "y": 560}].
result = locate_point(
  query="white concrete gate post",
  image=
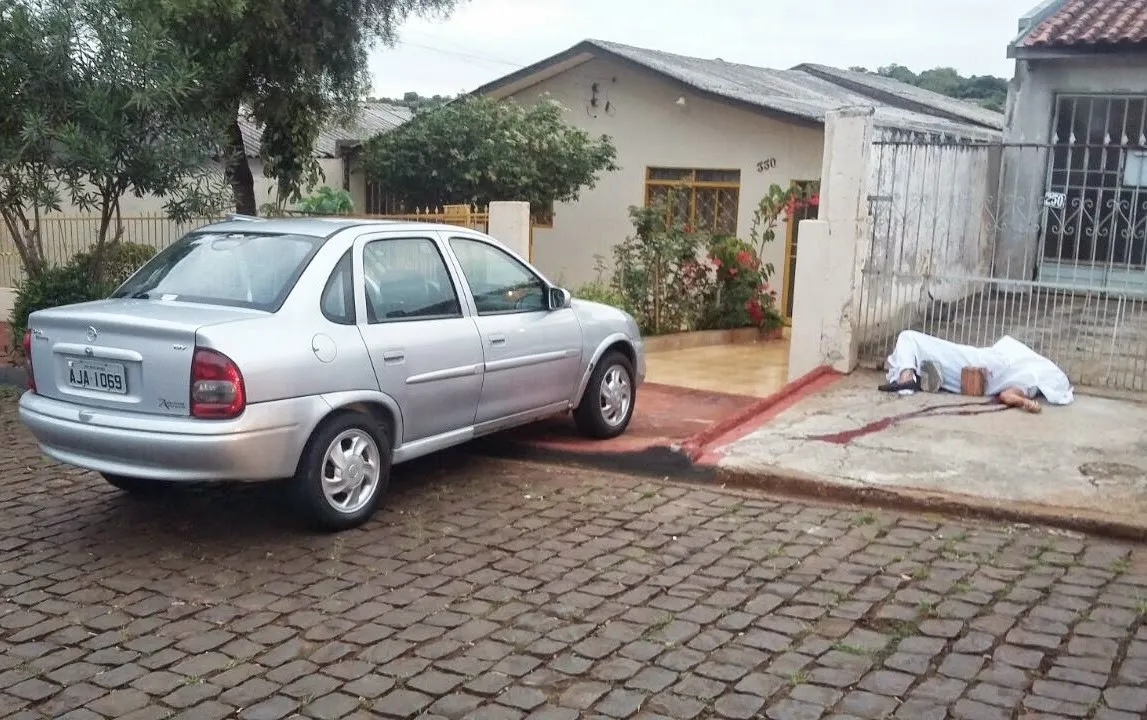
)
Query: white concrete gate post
[
  {"x": 826, "y": 289},
  {"x": 509, "y": 223}
]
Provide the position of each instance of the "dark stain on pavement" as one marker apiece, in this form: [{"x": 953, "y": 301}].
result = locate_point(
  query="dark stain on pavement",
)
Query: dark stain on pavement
[{"x": 844, "y": 437}]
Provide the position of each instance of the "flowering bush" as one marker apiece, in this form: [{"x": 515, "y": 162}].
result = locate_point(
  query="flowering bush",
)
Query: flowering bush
[
  {"x": 790, "y": 202},
  {"x": 739, "y": 295},
  {"x": 657, "y": 273},
  {"x": 673, "y": 278}
]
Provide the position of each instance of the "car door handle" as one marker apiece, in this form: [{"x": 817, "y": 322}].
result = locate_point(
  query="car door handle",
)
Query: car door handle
[
  {"x": 393, "y": 356},
  {"x": 497, "y": 339}
]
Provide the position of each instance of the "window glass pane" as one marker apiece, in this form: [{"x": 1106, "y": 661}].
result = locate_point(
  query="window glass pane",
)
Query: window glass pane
[
  {"x": 407, "y": 280},
  {"x": 705, "y": 217},
  {"x": 338, "y": 296},
  {"x": 239, "y": 269},
  {"x": 727, "y": 210},
  {"x": 728, "y": 176},
  {"x": 670, "y": 174},
  {"x": 499, "y": 282}
]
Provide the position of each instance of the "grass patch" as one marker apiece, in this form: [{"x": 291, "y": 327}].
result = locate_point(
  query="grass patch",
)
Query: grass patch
[
  {"x": 850, "y": 649},
  {"x": 1141, "y": 607}
]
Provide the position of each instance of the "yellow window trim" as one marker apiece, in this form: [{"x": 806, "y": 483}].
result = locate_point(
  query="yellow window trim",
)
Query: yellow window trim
[{"x": 688, "y": 180}]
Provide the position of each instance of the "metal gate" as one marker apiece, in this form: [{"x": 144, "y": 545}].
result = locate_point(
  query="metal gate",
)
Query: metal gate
[{"x": 1045, "y": 243}]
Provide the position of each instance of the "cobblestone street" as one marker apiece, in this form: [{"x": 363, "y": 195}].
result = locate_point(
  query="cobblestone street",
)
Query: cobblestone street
[{"x": 495, "y": 589}]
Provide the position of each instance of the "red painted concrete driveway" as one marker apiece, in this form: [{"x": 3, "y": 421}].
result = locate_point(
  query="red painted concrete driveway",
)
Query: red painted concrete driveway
[{"x": 665, "y": 416}]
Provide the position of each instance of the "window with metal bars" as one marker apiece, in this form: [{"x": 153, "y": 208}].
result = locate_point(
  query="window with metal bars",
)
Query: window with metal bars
[
  {"x": 1097, "y": 176},
  {"x": 705, "y": 200}
]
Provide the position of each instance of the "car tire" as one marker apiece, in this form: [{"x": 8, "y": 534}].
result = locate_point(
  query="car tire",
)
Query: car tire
[
  {"x": 137, "y": 487},
  {"x": 328, "y": 501},
  {"x": 597, "y": 415}
]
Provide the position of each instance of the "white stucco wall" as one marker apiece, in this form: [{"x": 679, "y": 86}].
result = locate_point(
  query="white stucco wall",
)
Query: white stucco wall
[
  {"x": 1030, "y": 110},
  {"x": 264, "y": 188},
  {"x": 649, "y": 128}
]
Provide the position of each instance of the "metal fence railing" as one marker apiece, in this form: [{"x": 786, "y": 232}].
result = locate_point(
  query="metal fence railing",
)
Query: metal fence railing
[
  {"x": 972, "y": 242},
  {"x": 64, "y": 236}
]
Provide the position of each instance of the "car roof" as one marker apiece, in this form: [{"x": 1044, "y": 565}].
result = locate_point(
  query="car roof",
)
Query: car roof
[{"x": 322, "y": 227}]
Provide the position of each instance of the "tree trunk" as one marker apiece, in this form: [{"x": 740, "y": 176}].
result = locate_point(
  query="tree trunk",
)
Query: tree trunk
[{"x": 239, "y": 172}]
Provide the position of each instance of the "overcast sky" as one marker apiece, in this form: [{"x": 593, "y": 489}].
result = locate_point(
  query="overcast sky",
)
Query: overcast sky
[{"x": 486, "y": 39}]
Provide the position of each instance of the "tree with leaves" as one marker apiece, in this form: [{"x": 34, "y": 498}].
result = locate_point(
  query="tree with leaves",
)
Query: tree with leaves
[
  {"x": 95, "y": 96},
  {"x": 292, "y": 66},
  {"x": 415, "y": 102},
  {"x": 476, "y": 150},
  {"x": 987, "y": 91}
]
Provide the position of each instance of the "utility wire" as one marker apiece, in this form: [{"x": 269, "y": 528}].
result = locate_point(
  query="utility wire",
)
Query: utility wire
[{"x": 467, "y": 56}]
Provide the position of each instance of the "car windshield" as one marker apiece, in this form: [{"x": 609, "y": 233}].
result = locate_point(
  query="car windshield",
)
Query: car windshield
[{"x": 254, "y": 270}]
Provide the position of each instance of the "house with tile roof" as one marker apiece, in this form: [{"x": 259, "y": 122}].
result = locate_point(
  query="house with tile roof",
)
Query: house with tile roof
[
  {"x": 725, "y": 130},
  {"x": 1078, "y": 104}
]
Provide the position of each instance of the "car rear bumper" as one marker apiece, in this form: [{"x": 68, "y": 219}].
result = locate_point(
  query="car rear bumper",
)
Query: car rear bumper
[{"x": 262, "y": 444}]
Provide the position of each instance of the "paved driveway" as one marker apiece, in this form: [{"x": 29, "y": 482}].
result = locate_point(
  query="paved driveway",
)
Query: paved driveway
[{"x": 491, "y": 589}]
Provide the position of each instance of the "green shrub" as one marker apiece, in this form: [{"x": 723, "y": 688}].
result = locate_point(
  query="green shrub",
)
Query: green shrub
[
  {"x": 600, "y": 291},
  {"x": 74, "y": 282},
  {"x": 657, "y": 271},
  {"x": 739, "y": 294},
  {"x": 327, "y": 201}
]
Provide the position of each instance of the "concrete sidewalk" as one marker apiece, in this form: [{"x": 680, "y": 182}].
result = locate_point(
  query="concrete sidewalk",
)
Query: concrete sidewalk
[{"x": 1083, "y": 465}]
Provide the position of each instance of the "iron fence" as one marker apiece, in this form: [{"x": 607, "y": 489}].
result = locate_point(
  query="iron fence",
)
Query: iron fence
[
  {"x": 1043, "y": 242},
  {"x": 63, "y": 236}
]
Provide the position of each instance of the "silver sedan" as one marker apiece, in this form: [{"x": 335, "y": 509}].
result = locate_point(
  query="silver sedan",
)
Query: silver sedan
[{"x": 319, "y": 350}]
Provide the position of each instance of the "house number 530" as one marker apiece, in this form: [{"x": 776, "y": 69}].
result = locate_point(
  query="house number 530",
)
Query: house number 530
[{"x": 766, "y": 165}]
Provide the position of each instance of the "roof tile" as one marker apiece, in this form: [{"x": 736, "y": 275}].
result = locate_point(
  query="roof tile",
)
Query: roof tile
[
  {"x": 1092, "y": 22},
  {"x": 810, "y": 91},
  {"x": 372, "y": 118}
]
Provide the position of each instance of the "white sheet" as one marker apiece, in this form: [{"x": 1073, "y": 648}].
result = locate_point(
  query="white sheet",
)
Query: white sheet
[{"x": 1009, "y": 363}]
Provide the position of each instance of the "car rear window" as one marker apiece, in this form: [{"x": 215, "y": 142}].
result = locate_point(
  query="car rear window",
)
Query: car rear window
[{"x": 252, "y": 270}]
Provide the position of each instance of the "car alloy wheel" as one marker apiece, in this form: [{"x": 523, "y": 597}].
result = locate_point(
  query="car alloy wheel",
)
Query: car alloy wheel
[{"x": 351, "y": 471}]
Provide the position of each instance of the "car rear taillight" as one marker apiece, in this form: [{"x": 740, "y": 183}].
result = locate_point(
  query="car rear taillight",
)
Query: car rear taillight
[
  {"x": 28, "y": 360},
  {"x": 216, "y": 386}
]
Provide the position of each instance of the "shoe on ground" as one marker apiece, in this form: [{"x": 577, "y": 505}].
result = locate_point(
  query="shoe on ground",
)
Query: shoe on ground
[
  {"x": 930, "y": 377},
  {"x": 897, "y": 387}
]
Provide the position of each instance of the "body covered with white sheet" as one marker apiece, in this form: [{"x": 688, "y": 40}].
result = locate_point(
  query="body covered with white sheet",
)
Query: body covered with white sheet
[{"x": 1007, "y": 364}]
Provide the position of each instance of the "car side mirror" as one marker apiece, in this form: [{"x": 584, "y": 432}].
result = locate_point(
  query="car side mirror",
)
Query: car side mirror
[{"x": 560, "y": 298}]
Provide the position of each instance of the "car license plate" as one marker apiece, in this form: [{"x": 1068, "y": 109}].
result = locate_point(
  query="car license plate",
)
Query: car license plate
[{"x": 94, "y": 375}]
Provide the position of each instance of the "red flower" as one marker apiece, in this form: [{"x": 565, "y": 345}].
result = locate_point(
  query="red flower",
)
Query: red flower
[
  {"x": 814, "y": 199},
  {"x": 755, "y": 313},
  {"x": 716, "y": 261}
]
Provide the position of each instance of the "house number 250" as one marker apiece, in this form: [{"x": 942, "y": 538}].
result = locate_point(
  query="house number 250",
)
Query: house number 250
[{"x": 766, "y": 165}]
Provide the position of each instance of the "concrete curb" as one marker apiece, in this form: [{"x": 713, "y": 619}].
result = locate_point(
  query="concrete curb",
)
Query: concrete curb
[
  {"x": 799, "y": 485},
  {"x": 677, "y": 461},
  {"x": 654, "y": 461},
  {"x": 694, "y": 446}
]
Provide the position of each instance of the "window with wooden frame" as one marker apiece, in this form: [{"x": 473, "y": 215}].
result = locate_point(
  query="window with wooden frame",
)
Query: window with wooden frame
[{"x": 707, "y": 200}]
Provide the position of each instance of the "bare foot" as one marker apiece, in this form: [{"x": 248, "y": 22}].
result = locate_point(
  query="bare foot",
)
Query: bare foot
[{"x": 1013, "y": 397}]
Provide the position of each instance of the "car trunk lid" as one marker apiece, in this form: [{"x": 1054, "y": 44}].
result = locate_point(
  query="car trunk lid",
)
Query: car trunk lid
[{"x": 123, "y": 354}]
